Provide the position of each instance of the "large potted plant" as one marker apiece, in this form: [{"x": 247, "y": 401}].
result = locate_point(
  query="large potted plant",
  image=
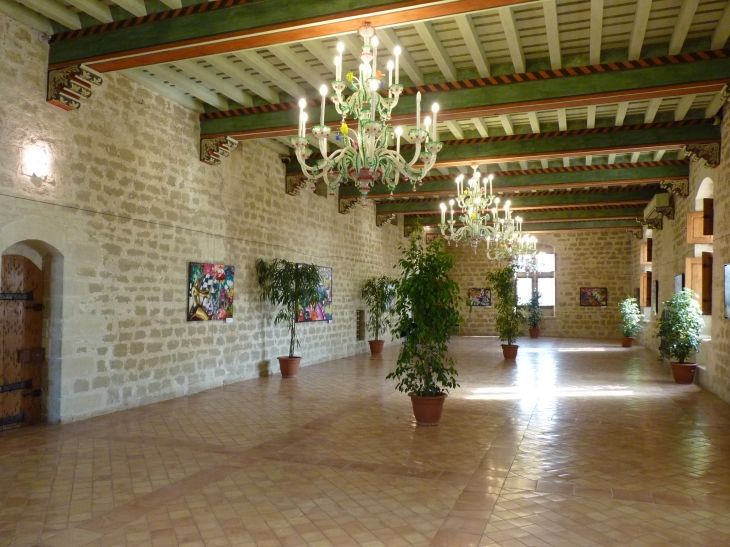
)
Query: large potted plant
[
  {"x": 534, "y": 314},
  {"x": 680, "y": 325},
  {"x": 287, "y": 285},
  {"x": 377, "y": 292},
  {"x": 427, "y": 310},
  {"x": 509, "y": 320},
  {"x": 630, "y": 320}
]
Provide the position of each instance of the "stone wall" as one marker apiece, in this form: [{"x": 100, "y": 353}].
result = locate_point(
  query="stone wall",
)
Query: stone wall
[
  {"x": 670, "y": 251},
  {"x": 126, "y": 206},
  {"x": 583, "y": 259}
]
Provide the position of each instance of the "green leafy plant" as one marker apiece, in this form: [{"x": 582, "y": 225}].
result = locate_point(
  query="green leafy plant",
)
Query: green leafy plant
[
  {"x": 534, "y": 312},
  {"x": 509, "y": 320},
  {"x": 630, "y": 317},
  {"x": 680, "y": 325},
  {"x": 427, "y": 309},
  {"x": 377, "y": 292},
  {"x": 287, "y": 284}
]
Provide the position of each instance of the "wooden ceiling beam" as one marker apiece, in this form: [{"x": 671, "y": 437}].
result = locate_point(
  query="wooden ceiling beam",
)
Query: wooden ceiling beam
[
  {"x": 473, "y": 44},
  {"x": 390, "y": 40},
  {"x": 641, "y": 20},
  {"x": 135, "y": 7},
  {"x": 553, "y": 33},
  {"x": 436, "y": 49},
  {"x": 175, "y": 95},
  {"x": 29, "y": 17},
  {"x": 237, "y": 73},
  {"x": 651, "y": 110},
  {"x": 96, "y": 9},
  {"x": 224, "y": 87},
  {"x": 184, "y": 82},
  {"x": 596, "y": 31},
  {"x": 276, "y": 76},
  {"x": 681, "y": 26},
  {"x": 576, "y": 215},
  {"x": 480, "y": 126},
  {"x": 55, "y": 12},
  {"x": 718, "y": 99},
  {"x": 683, "y": 106},
  {"x": 298, "y": 65},
  {"x": 512, "y": 36},
  {"x": 722, "y": 30},
  {"x": 455, "y": 129}
]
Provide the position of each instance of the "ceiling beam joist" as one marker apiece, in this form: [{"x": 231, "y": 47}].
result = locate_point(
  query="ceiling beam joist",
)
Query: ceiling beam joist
[
  {"x": 224, "y": 87},
  {"x": 298, "y": 65},
  {"x": 183, "y": 82},
  {"x": 135, "y": 7},
  {"x": 473, "y": 44},
  {"x": 512, "y": 36},
  {"x": 437, "y": 50},
  {"x": 641, "y": 20},
  {"x": 238, "y": 73},
  {"x": 175, "y": 95},
  {"x": 55, "y": 12},
  {"x": 96, "y": 9},
  {"x": 29, "y": 17},
  {"x": 265, "y": 68},
  {"x": 596, "y": 31},
  {"x": 553, "y": 33},
  {"x": 722, "y": 30},
  {"x": 390, "y": 40},
  {"x": 682, "y": 24}
]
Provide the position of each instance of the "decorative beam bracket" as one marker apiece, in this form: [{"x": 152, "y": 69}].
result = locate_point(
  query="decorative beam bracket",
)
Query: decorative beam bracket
[
  {"x": 211, "y": 150},
  {"x": 383, "y": 219},
  {"x": 346, "y": 205},
  {"x": 652, "y": 223},
  {"x": 638, "y": 233},
  {"x": 708, "y": 154},
  {"x": 67, "y": 87},
  {"x": 679, "y": 187},
  {"x": 294, "y": 183}
]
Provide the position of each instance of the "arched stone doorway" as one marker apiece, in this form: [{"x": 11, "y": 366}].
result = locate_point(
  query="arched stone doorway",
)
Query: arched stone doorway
[{"x": 31, "y": 283}]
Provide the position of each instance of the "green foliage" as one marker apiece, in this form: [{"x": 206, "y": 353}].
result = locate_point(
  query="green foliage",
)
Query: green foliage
[
  {"x": 285, "y": 284},
  {"x": 509, "y": 321},
  {"x": 630, "y": 317},
  {"x": 680, "y": 325},
  {"x": 534, "y": 312},
  {"x": 427, "y": 309},
  {"x": 377, "y": 292}
]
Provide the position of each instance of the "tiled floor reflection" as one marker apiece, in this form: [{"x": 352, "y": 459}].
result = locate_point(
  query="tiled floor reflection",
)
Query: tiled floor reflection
[{"x": 580, "y": 443}]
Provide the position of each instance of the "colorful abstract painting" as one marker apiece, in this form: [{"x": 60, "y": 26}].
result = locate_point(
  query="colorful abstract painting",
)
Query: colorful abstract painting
[
  {"x": 594, "y": 296},
  {"x": 321, "y": 311},
  {"x": 480, "y": 297},
  {"x": 210, "y": 292}
]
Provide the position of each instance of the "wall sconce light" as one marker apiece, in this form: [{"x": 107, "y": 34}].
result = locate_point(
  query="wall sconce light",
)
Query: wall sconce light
[{"x": 37, "y": 161}]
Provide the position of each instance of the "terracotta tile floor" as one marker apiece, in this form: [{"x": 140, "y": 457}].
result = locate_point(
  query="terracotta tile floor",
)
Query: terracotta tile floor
[{"x": 580, "y": 443}]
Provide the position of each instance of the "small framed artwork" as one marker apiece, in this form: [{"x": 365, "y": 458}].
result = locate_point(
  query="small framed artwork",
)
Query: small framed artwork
[
  {"x": 655, "y": 296},
  {"x": 594, "y": 296},
  {"x": 480, "y": 297},
  {"x": 678, "y": 283},
  {"x": 210, "y": 292},
  {"x": 727, "y": 291},
  {"x": 321, "y": 311}
]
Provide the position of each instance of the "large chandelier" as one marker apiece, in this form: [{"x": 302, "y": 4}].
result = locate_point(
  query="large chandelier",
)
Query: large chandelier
[
  {"x": 481, "y": 221},
  {"x": 366, "y": 156}
]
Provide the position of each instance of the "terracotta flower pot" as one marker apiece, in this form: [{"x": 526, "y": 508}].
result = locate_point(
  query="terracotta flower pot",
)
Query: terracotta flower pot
[
  {"x": 684, "y": 373},
  {"x": 534, "y": 333},
  {"x": 627, "y": 342},
  {"x": 509, "y": 351},
  {"x": 376, "y": 346},
  {"x": 289, "y": 366},
  {"x": 427, "y": 410}
]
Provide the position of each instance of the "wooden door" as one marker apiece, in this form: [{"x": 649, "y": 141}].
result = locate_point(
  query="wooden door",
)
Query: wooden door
[{"x": 22, "y": 358}]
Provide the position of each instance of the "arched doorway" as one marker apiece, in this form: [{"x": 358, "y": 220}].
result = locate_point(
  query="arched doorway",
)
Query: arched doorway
[{"x": 30, "y": 308}]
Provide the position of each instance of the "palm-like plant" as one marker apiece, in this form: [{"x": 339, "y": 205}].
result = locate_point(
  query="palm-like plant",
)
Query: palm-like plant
[
  {"x": 680, "y": 325},
  {"x": 377, "y": 292},
  {"x": 288, "y": 284},
  {"x": 427, "y": 309},
  {"x": 630, "y": 317}
]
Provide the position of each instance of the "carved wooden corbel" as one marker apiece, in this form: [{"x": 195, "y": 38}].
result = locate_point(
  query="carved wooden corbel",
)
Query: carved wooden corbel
[
  {"x": 294, "y": 183},
  {"x": 638, "y": 233},
  {"x": 211, "y": 150},
  {"x": 346, "y": 205},
  {"x": 679, "y": 187},
  {"x": 68, "y": 86},
  {"x": 708, "y": 154},
  {"x": 381, "y": 219},
  {"x": 653, "y": 223}
]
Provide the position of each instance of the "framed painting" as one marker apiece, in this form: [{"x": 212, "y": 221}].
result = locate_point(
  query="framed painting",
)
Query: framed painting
[
  {"x": 594, "y": 296},
  {"x": 321, "y": 311},
  {"x": 678, "y": 283},
  {"x": 480, "y": 297},
  {"x": 210, "y": 292},
  {"x": 727, "y": 291}
]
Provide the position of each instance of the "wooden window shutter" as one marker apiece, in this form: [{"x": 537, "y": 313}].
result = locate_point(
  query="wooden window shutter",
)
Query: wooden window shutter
[
  {"x": 706, "y": 296},
  {"x": 649, "y": 249},
  {"x": 708, "y": 216}
]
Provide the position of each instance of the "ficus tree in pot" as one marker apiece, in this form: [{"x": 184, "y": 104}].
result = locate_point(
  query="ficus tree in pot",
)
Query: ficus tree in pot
[
  {"x": 630, "y": 320},
  {"x": 680, "y": 326},
  {"x": 509, "y": 320},
  {"x": 378, "y": 292},
  {"x": 427, "y": 309},
  {"x": 286, "y": 285},
  {"x": 533, "y": 314}
]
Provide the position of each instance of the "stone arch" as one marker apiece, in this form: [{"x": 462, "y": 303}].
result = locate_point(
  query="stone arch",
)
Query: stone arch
[
  {"x": 706, "y": 190},
  {"x": 42, "y": 243}
]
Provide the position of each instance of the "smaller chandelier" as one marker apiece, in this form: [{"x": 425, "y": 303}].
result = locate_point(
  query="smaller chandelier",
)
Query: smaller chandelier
[
  {"x": 366, "y": 157},
  {"x": 481, "y": 221}
]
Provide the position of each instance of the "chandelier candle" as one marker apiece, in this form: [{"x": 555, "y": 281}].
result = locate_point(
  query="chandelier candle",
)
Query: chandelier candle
[{"x": 365, "y": 132}]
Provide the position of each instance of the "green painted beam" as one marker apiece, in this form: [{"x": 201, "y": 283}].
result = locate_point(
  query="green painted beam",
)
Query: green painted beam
[
  {"x": 531, "y": 217},
  {"x": 519, "y": 202},
  {"x": 635, "y": 175},
  {"x": 599, "y": 88},
  {"x": 587, "y": 225},
  {"x": 574, "y": 143}
]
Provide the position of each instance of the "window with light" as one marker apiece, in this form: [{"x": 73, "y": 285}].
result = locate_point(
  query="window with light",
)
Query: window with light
[{"x": 542, "y": 280}]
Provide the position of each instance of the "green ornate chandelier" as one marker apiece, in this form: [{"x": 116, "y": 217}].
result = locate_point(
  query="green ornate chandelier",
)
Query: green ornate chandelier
[{"x": 367, "y": 156}]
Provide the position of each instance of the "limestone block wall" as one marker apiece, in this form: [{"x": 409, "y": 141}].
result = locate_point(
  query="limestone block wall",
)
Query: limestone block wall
[
  {"x": 670, "y": 251},
  {"x": 126, "y": 206},
  {"x": 583, "y": 259}
]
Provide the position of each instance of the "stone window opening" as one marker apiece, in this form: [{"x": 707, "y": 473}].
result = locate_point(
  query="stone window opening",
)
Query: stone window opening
[{"x": 542, "y": 280}]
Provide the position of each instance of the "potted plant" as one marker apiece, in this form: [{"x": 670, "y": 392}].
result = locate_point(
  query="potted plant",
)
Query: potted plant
[
  {"x": 534, "y": 314},
  {"x": 509, "y": 320},
  {"x": 377, "y": 292},
  {"x": 680, "y": 325},
  {"x": 630, "y": 320},
  {"x": 427, "y": 309},
  {"x": 287, "y": 285}
]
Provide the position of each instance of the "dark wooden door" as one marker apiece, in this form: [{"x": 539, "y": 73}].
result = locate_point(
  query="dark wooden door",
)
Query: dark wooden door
[{"x": 22, "y": 359}]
